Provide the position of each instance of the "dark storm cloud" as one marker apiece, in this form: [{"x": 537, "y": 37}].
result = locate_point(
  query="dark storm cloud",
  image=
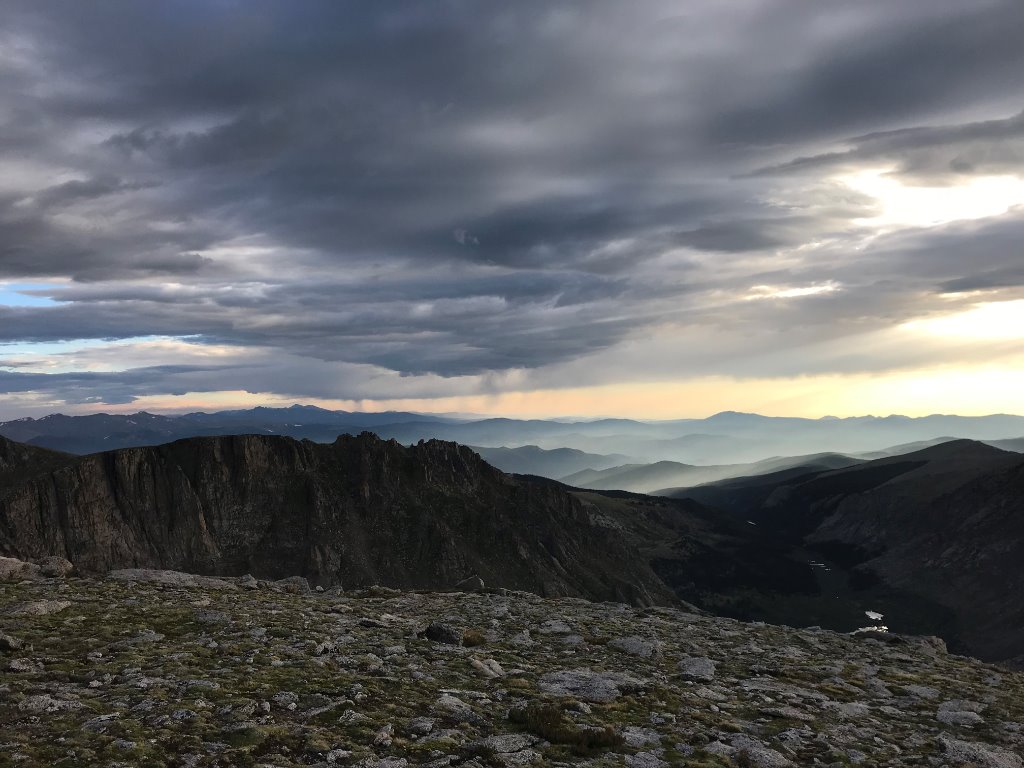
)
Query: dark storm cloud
[
  {"x": 940, "y": 154},
  {"x": 903, "y": 66},
  {"x": 466, "y": 188}
]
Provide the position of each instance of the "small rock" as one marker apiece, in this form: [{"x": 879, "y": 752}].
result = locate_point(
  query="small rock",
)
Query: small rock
[
  {"x": 443, "y": 633},
  {"x": 248, "y": 582},
  {"x": 40, "y": 607},
  {"x": 638, "y": 738},
  {"x": 555, "y": 627},
  {"x": 24, "y": 665},
  {"x": 12, "y": 569},
  {"x": 598, "y": 687},
  {"x": 421, "y": 726},
  {"x": 698, "y": 668},
  {"x": 645, "y": 760},
  {"x": 487, "y": 668},
  {"x": 968, "y": 753},
  {"x": 637, "y": 646},
  {"x": 10, "y": 643},
  {"x": 506, "y": 743},
  {"x": 43, "y": 702},
  {"x": 295, "y": 585},
  {"x": 56, "y": 567},
  {"x": 384, "y": 736},
  {"x": 961, "y": 718}
]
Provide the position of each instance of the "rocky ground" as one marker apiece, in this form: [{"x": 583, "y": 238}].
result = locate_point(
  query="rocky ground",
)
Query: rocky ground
[{"x": 163, "y": 669}]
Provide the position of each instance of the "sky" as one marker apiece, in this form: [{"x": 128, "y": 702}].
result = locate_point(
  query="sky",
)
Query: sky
[{"x": 648, "y": 209}]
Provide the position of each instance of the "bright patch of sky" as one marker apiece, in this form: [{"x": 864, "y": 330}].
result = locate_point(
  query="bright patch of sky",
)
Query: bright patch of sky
[
  {"x": 26, "y": 294},
  {"x": 928, "y": 206},
  {"x": 993, "y": 320},
  {"x": 30, "y": 352}
]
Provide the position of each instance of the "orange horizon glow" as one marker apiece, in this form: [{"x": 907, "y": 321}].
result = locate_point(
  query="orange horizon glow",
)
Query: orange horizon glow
[{"x": 929, "y": 392}]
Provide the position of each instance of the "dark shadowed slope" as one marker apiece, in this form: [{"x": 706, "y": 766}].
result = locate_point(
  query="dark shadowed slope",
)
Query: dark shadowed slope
[
  {"x": 19, "y": 462},
  {"x": 943, "y": 526},
  {"x": 359, "y": 511}
]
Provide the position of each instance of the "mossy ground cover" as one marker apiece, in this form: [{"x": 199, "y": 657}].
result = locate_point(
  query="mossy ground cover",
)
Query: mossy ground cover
[{"x": 154, "y": 674}]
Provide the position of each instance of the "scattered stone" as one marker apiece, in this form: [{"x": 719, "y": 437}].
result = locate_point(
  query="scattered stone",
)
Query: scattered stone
[
  {"x": 555, "y": 627},
  {"x": 508, "y": 742},
  {"x": 384, "y": 736},
  {"x": 12, "y": 569},
  {"x": 40, "y": 607},
  {"x": 295, "y": 585},
  {"x": 23, "y": 665},
  {"x": 56, "y": 567},
  {"x": 44, "y": 702},
  {"x": 964, "y": 714},
  {"x": 922, "y": 691},
  {"x": 443, "y": 633},
  {"x": 311, "y": 680},
  {"x": 589, "y": 685},
  {"x": 248, "y": 582},
  {"x": 645, "y": 760},
  {"x": 171, "y": 578},
  {"x": 487, "y": 668},
  {"x": 638, "y": 738},
  {"x": 968, "y": 754},
  {"x": 421, "y": 726},
  {"x": 699, "y": 668},
  {"x": 637, "y": 646}
]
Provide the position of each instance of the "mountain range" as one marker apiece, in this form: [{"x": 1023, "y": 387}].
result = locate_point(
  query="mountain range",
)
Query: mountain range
[
  {"x": 725, "y": 438},
  {"x": 933, "y": 539}
]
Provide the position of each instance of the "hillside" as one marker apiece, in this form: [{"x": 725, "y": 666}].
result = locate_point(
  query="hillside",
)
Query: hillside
[
  {"x": 944, "y": 526},
  {"x": 663, "y": 477},
  {"x": 555, "y": 463}
]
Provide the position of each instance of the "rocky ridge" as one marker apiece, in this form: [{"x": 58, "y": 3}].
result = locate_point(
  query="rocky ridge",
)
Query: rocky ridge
[
  {"x": 359, "y": 511},
  {"x": 146, "y": 668}
]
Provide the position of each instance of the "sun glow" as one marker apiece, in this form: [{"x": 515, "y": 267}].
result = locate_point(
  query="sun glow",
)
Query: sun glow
[
  {"x": 994, "y": 320},
  {"x": 902, "y": 204}
]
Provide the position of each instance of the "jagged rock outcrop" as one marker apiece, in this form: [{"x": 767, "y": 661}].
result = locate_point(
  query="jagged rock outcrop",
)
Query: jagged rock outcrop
[{"x": 359, "y": 511}]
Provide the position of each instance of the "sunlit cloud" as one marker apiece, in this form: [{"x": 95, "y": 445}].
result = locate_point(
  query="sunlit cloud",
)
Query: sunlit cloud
[
  {"x": 905, "y": 205},
  {"x": 796, "y": 292}
]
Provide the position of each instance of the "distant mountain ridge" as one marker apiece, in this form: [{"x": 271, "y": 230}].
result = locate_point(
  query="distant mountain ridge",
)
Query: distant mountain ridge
[{"x": 650, "y": 478}]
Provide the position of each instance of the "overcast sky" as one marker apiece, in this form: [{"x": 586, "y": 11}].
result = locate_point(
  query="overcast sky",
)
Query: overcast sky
[{"x": 597, "y": 207}]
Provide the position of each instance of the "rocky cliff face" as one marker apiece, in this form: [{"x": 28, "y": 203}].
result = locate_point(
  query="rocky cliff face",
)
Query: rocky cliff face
[{"x": 358, "y": 511}]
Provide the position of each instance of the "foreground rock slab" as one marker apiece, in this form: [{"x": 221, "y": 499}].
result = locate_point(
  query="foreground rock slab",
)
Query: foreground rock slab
[{"x": 173, "y": 671}]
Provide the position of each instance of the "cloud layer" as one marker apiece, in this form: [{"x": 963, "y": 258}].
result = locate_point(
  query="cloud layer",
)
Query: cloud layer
[{"x": 351, "y": 200}]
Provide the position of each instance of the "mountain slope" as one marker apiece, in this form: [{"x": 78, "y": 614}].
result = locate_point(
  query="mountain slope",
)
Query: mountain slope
[
  {"x": 665, "y": 477},
  {"x": 554, "y": 463},
  {"x": 359, "y": 511},
  {"x": 19, "y": 461},
  {"x": 941, "y": 527}
]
